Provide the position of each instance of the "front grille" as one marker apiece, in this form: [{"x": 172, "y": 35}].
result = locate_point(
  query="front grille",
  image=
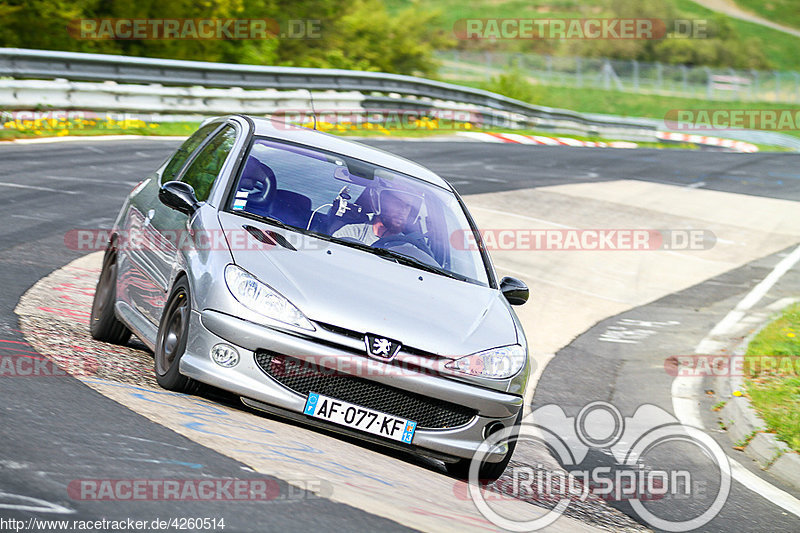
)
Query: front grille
[
  {"x": 303, "y": 378},
  {"x": 360, "y": 336}
]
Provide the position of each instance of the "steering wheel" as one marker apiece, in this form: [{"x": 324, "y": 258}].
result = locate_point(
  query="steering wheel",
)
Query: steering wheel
[
  {"x": 415, "y": 239},
  {"x": 259, "y": 192}
]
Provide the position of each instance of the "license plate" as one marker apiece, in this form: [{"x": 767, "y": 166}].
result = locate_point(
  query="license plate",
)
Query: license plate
[{"x": 361, "y": 418}]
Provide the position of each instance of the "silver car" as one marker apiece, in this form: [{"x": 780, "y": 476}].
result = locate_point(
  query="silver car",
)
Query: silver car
[{"x": 323, "y": 281}]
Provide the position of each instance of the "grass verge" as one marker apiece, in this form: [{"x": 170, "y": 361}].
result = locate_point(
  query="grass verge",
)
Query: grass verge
[
  {"x": 30, "y": 129},
  {"x": 610, "y": 102},
  {"x": 772, "y": 362}
]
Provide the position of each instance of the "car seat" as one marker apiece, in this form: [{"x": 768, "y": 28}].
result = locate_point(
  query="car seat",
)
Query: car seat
[
  {"x": 291, "y": 208},
  {"x": 259, "y": 184}
]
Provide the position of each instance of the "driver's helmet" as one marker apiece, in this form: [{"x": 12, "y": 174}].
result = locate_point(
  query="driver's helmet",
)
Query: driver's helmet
[{"x": 399, "y": 187}]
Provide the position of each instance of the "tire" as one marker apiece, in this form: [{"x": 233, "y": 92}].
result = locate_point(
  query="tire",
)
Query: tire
[
  {"x": 487, "y": 472},
  {"x": 103, "y": 323},
  {"x": 173, "y": 332}
]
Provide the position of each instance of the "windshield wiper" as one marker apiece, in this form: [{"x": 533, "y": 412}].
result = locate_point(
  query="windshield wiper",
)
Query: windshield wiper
[
  {"x": 400, "y": 258},
  {"x": 265, "y": 218},
  {"x": 413, "y": 261}
]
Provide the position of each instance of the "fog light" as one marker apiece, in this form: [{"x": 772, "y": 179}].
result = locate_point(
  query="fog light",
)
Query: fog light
[
  {"x": 492, "y": 428},
  {"x": 225, "y": 355}
]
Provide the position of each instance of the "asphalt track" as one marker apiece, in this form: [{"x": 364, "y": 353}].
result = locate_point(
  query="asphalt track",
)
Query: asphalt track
[{"x": 56, "y": 429}]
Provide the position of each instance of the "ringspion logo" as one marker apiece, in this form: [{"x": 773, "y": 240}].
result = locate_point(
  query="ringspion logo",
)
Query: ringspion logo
[{"x": 613, "y": 457}]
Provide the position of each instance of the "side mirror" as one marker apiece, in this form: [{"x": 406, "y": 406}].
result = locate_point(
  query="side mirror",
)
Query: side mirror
[
  {"x": 515, "y": 291},
  {"x": 179, "y": 196}
]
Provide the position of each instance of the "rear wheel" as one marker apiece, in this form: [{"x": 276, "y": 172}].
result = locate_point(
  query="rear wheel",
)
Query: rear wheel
[
  {"x": 103, "y": 323},
  {"x": 173, "y": 333},
  {"x": 488, "y": 471}
]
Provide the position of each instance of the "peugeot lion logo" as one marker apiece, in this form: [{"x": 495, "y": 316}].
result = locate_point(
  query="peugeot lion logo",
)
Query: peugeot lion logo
[{"x": 381, "y": 347}]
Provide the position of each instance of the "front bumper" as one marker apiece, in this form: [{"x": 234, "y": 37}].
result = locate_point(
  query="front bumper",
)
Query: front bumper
[{"x": 261, "y": 391}]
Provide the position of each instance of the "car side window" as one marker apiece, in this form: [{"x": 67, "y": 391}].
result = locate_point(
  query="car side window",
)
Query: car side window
[
  {"x": 203, "y": 171},
  {"x": 182, "y": 154}
]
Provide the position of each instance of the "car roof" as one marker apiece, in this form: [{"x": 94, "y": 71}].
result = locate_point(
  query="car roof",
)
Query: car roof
[{"x": 275, "y": 128}]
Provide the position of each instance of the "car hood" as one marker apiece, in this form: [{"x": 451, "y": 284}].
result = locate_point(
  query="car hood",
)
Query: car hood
[{"x": 362, "y": 292}]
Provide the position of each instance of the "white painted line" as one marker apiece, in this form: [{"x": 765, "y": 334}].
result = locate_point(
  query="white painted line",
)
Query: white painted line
[
  {"x": 757, "y": 293},
  {"x": 35, "y": 188},
  {"x": 26, "y": 503},
  {"x": 686, "y": 391},
  {"x": 95, "y": 150},
  {"x": 768, "y": 491},
  {"x": 506, "y": 213},
  {"x": 697, "y": 184},
  {"x": 92, "y": 180}
]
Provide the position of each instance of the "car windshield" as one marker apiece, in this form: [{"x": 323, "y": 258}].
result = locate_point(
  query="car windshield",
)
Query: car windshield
[{"x": 361, "y": 205}]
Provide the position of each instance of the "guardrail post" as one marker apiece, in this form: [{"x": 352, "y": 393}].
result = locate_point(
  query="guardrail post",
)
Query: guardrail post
[
  {"x": 756, "y": 84},
  {"x": 548, "y": 60},
  {"x": 796, "y": 86},
  {"x": 635, "y": 75},
  {"x": 709, "y": 84},
  {"x": 488, "y": 56},
  {"x": 777, "y": 86},
  {"x": 660, "y": 76},
  {"x": 579, "y": 71},
  {"x": 685, "y": 79}
]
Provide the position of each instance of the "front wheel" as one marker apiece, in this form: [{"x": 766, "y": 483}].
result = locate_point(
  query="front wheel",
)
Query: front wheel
[
  {"x": 487, "y": 472},
  {"x": 173, "y": 332},
  {"x": 103, "y": 323}
]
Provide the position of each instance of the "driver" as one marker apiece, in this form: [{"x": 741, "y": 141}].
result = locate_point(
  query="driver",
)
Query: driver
[{"x": 391, "y": 220}]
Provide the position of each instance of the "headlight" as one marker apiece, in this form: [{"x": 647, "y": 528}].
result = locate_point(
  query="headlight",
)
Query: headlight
[
  {"x": 260, "y": 298},
  {"x": 497, "y": 363}
]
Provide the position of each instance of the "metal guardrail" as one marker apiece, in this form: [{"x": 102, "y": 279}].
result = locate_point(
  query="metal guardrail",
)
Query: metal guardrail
[
  {"x": 42, "y": 64},
  {"x": 378, "y": 89}
]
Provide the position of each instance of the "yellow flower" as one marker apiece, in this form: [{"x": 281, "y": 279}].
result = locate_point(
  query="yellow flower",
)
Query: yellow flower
[
  {"x": 737, "y": 393},
  {"x": 790, "y": 334}
]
